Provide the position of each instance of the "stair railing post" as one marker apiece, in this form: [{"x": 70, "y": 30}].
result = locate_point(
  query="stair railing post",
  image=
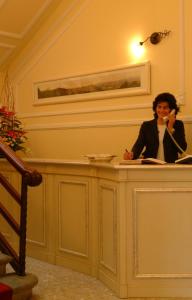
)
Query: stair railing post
[{"x": 23, "y": 226}]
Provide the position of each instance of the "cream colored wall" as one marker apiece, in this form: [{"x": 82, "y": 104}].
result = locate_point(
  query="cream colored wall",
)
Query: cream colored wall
[{"x": 94, "y": 35}]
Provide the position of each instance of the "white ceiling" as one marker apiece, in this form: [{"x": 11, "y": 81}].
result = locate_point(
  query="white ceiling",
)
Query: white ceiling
[{"x": 18, "y": 18}]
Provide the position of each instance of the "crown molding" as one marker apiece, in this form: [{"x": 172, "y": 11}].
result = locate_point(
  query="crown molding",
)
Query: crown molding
[
  {"x": 2, "y": 2},
  {"x": 27, "y": 63},
  {"x": 10, "y": 35},
  {"x": 36, "y": 17},
  {"x": 28, "y": 26},
  {"x": 4, "y": 45},
  {"x": 3, "y": 57}
]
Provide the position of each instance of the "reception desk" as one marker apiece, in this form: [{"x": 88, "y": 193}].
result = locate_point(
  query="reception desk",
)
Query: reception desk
[{"x": 129, "y": 226}]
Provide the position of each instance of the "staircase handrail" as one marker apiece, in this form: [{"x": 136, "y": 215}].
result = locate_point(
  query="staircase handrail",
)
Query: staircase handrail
[
  {"x": 33, "y": 177},
  {"x": 30, "y": 177}
]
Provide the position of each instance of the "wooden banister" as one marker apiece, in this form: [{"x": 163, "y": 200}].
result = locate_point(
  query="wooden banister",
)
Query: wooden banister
[
  {"x": 8, "y": 217},
  {"x": 12, "y": 191},
  {"x": 33, "y": 177},
  {"x": 30, "y": 177}
]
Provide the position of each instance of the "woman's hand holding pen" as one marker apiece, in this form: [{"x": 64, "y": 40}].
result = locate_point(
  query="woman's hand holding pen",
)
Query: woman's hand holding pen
[{"x": 127, "y": 155}]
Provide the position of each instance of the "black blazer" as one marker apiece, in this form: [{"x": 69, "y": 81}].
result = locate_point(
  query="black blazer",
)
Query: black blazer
[{"x": 148, "y": 139}]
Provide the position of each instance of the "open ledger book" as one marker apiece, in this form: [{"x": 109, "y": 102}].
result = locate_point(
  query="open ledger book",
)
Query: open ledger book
[
  {"x": 184, "y": 160},
  {"x": 140, "y": 161}
]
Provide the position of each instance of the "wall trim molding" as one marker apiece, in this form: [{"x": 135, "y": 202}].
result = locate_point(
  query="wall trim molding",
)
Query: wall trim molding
[
  {"x": 85, "y": 110},
  {"x": 93, "y": 124},
  {"x": 76, "y": 125}
]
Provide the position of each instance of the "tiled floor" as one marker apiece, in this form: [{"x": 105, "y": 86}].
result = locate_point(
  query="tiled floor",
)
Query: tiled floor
[{"x": 58, "y": 283}]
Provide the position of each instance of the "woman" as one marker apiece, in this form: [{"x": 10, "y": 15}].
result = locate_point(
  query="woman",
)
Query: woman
[{"x": 154, "y": 135}]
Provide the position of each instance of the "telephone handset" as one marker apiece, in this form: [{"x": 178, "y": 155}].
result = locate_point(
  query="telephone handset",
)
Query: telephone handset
[{"x": 166, "y": 117}]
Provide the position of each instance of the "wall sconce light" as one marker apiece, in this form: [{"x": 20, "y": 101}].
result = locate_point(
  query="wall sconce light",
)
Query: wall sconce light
[{"x": 156, "y": 37}]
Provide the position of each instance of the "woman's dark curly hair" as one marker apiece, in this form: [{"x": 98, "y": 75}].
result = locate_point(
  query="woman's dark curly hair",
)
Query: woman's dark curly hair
[{"x": 165, "y": 97}]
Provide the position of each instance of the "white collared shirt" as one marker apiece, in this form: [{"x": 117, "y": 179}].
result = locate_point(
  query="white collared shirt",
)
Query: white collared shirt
[{"x": 161, "y": 130}]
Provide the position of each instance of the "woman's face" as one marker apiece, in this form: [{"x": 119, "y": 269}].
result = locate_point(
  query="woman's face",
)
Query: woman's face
[{"x": 162, "y": 109}]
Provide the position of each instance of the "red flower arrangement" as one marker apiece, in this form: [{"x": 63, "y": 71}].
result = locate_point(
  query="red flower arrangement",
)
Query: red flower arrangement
[{"x": 11, "y": 130}]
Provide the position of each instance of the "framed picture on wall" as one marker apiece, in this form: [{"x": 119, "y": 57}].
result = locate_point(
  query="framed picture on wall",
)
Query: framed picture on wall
[{"x": 112, "y": 83}]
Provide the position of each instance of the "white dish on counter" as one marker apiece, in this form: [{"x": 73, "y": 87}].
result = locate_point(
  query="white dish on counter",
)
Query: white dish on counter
[{"x": 105, "y": 158}]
